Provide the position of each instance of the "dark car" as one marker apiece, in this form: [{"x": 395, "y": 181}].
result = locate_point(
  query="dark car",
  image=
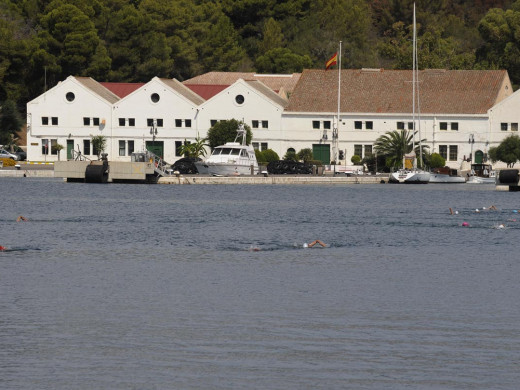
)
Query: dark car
[{"x": 22, "y": 155}]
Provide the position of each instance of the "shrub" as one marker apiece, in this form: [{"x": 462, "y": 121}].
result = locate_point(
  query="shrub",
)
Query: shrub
[
  {"x": 290, "y": 156},
  {"x": 8, "y": 162},
  {"x": 437, "y": 161},
  {"x": 356, "y": 160},
  {"x": 269, "y": 155}
]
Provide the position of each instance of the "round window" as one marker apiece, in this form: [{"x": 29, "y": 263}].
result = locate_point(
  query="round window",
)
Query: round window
[
  {"x": 70, "y": 96},
  {"x": 239, "y": 99},
  {"x": 155, "y": 97}
]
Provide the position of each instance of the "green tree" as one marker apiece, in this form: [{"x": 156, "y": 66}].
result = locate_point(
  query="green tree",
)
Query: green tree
[
  {"x": 290, "y": 155},
  {"x": 394, "y": 145},
  {"x": 507, "y": 151},
  {"x": 226, "y": 131},
  {"x": 437, "y": 161},
  {"x": 281, "y": 60},
  {"x": 10, "y": 122},
  {"x": 99, "y": 144},
  {"x": 195, "y": 149},
  {"x": 272, "y": 36},
  {"x": 269, "y": 155},
  {"x": 305, "y": 155}
]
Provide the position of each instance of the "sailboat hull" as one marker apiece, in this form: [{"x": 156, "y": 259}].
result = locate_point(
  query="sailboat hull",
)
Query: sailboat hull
[{"x": 409, "y": 177}]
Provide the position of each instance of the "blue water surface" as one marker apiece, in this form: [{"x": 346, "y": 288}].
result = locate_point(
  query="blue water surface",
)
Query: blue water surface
[{"x": 156, "y": 286}]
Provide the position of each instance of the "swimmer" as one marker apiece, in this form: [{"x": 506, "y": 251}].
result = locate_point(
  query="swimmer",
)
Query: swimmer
[
  {"x": 493, "y": 207},
  {"x": 501, "y": 226},
  {"x": 21, "y": 218},
  {"x": 314, "y": 243},
  {"x": 254, "y": 249},
  {"x": 2, "y": 248},
  {"x": 465, "y": 224},
  {"x": 453, "y": 212}
]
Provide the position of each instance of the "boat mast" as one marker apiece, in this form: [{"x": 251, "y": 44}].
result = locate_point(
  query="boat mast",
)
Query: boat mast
[
  {"x": 335, "y": 133},
  {"x": 413, "y": 84},
  {"x": 418, "y": 95}
]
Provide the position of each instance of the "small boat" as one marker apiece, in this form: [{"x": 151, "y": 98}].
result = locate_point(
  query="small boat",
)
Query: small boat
[
  {"x": 231, "y": 159},
  {"x": 446, "y": 175},
  {"x": 410, "y": 176},
  {"x": 481, "y": 174}
]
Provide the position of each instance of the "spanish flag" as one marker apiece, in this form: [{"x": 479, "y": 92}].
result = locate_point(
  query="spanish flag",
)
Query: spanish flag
[{"x": 333, "y": 61}]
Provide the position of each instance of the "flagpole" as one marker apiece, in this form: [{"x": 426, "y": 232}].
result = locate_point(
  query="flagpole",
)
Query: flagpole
[{"x": 336, "y": 135}]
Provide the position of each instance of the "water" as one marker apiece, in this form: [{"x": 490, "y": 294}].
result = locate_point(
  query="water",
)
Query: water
[{"x": 153, "y": 287}]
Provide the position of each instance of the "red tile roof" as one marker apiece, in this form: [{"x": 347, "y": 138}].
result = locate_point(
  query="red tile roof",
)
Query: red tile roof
[
  {"x": 390, "y": 91},
  {"x": 276, "y": 82},
  {"x": 206, "y": 91},
  {"x": 122, "y": 89}
]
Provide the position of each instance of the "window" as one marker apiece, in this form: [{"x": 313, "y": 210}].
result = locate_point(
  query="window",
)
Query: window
[
  {"x": 358, "y": 150},
  {"x": 265, "y": 124},
  {"x": 503, "y": 126},
  {"x": 122, "y": 148},
  {"x": 400, "y": 125},
  {"x": 368, "y": 150},
  {"x": 178, "y": 122},
  {"x": 130, "y": 147},
  {"x": 255, "y": 146},
  {"x": 45, "y": 146},
  {"x": 178, "y": 145},
  {"x": 86, "y": 121},
  {"x": 54, "y": 142},
  {"x": 213, "y": 122},
  {"x": 315, "y": 124},
  {"x": 121, "y": 121},
  {"x": 410, "y": 125},
  {"x": 187, "y": 123},
  {"x": 358, "y": 125},
  {"x": 326, "y": 125},
  {"x": 86, "y": 147},
  {"x": 96, "y": 121},
  {"x": 131, "y": 121},
  {"x": 455, "y": 126},
  {"x": 443, "y": 125},
  {"x": 45, "y": 120},
  {"x": 369, "y": 125},
  {"x": 453, "y": 152},
  {"x": 254, "y": 124},
  {"x": 159, "y": 122},
  {"x": 291, "y": 150},
  {"x": 239, "y": 99},
  {"x": 155, "y": 97},
  {"x": 514, "y": 126},
  {"x": 443, "y": 151},
  {"x": 95, "y": 151},
  {"x": 149, "y": 122},
  {"x": 264, "y": 146},
  {"x": 54, "y": 121},
  {"x": 70, "y": 96}
]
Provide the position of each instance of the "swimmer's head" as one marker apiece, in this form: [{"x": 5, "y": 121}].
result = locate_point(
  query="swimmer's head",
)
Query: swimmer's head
[{"x": 456, "y": 212}]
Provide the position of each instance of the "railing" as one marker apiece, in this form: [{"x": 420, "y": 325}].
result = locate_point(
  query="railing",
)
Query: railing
[
  {"x": 160, "y": 166},
  {"x": 77, "y": 156}
]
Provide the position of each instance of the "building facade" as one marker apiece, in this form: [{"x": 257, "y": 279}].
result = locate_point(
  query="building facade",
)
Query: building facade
[{"x": 459, "y": 114}]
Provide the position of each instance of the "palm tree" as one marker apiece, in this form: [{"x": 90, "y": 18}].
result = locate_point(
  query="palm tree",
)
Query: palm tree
[
  {"x": 395, "y": 144},
  {"x": 194, "y": 150}
]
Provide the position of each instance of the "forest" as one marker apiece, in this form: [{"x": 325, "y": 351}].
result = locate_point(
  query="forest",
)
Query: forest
[{"x": 43, "y": 42}]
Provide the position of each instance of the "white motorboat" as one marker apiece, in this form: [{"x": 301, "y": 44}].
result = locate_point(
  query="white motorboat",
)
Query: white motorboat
[
  {"x": 481, "y": 174},
  {"x": 446, "y": 175},
  {"x": 231, "y": 159}
]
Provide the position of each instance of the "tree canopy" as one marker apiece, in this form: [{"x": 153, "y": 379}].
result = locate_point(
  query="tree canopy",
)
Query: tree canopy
[{"x": 44, "y": 42}]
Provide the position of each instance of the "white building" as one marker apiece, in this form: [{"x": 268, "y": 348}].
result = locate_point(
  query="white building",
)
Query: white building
[{"x": 462, "y": 113}]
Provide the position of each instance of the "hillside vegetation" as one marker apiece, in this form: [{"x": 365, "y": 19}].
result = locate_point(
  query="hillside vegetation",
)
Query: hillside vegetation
[{"x": 43, "y": 42}]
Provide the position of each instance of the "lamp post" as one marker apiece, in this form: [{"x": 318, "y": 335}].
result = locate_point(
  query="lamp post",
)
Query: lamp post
[{"x": 471, "y": 141}]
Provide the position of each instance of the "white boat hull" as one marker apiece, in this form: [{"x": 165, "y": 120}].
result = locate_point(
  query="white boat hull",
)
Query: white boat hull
[
  {"x": 224, "y": 169},
  {"x": 443, "y": 178},
  {"x": 480, "y": 180},
  {"x": 409, "y": 177}
]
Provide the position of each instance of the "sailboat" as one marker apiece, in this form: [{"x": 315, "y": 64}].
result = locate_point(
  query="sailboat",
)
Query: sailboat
[{"x": 411, "y": 174}]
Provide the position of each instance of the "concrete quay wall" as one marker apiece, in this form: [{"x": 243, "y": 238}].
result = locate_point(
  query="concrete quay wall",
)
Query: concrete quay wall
[{"x": 283, "y": 179}]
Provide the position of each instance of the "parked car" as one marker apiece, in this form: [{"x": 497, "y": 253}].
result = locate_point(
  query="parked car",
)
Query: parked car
[
  {"x": 22, "y": 155},
  {"x": 5, "y": 154}
]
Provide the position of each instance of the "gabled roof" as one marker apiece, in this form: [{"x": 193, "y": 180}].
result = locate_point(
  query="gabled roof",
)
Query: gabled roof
[
  {"x": 390, "y": 91},
  {"x": 98, "y": 89},
  {"x": 183, "y": 90},
  {"x": 276, "y": 82},
  {"x": 263, "y": 89},
  {"x": 206, "y": 91},
  {"x": 122, "y": 89}
]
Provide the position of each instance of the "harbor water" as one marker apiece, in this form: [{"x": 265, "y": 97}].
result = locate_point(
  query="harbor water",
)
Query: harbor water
[{"x": 210, "y": 287}]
